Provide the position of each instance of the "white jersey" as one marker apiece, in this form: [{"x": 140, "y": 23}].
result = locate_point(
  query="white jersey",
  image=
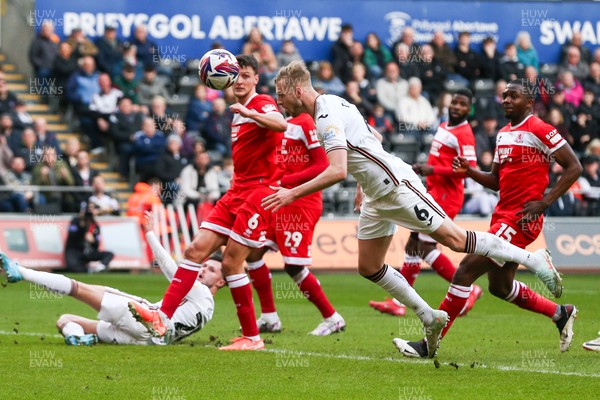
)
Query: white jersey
[
  {"x": 198, "y": 305},
  {"x": 341, "y": 126}
]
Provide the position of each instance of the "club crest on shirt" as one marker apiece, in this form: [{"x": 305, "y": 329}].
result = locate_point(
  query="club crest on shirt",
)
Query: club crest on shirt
[
  {"x": 519, "y": 138},
  {"x": 330, "y": 132}
]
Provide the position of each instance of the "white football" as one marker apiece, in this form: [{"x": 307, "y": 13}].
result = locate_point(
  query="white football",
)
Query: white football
[{"x": 218, "y": 69}]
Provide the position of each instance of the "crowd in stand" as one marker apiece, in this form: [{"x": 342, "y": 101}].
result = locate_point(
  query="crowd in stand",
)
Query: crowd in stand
[{"x": 121, "y": 93}]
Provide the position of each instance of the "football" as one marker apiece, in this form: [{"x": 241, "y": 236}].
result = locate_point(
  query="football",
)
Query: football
[{"x": 218, "y": 69}]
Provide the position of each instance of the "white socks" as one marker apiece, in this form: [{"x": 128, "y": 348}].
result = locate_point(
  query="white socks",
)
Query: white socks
[
  {"x": 489, "y": 245},
  {"x": 55, "y": 282},
  {"x": 72, "y": 329},
  {"x": 394, "y": 283}
]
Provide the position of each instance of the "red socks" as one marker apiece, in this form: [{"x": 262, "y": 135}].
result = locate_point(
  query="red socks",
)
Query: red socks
[
  {"x": 441, "y": 264},
  {"x": 526, "y": 298},
  {"x": 180, "y": 285},
  {"x": 454, "y": 302},
  {"x": 311, "y": 288},
  {"x": 241, "y": 292},
  {"x": 260, "y": 276},
  {"x": 411, "y": 268}
]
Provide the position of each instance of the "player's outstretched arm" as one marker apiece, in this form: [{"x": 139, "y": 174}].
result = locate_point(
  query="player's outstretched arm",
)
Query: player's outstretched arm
[
  {"x": 490, "y": 180},
  {"x": 335, "y": 172},
  {"x": 273, "y": 120},
  {"x": 164, "y": 260}
]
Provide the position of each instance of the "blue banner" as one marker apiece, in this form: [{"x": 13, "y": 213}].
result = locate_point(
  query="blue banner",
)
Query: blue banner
[{"x": 185, "y": 29}]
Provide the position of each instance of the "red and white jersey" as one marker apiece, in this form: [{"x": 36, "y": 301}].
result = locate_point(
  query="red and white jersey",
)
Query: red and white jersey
[
  {"x": 294, "y": 154},
  {"x": 253, "y": 146},
  {"x": 450, "y": 142},
  {"x": 523, "y": 152}
]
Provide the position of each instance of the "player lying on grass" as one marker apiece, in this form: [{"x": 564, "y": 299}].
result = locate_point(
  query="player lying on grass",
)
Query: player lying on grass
[
  {"x": 115, "y": 324},
  {"x": 524, "y": 149}
]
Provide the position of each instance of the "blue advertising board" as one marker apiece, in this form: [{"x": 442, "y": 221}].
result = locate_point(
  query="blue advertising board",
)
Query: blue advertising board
[{"x": 187, "y": 28}]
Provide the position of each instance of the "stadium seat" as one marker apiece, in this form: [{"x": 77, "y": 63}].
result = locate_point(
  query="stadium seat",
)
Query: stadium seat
[
  {"x": 549, "y": 71},
  {"x": 452, "y": 85},
  {"x": 187, "y": 84},
  {"x": 484, "y": 87},
  {"x": 192, "y": 67},
  {"x": 178, "y": 104}
]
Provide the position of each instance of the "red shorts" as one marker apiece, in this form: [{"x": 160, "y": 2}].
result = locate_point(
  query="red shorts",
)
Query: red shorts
[
  {"x": 252, "y": 225},
  {"x": 294, "y": 226},
  {"x": 223, "y": 215},
  {"x": 519, "y": 235}
]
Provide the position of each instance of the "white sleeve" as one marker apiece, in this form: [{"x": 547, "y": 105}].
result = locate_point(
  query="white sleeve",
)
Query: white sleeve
[
  {"x": 167, "y": 265},
  {"x": 330, "y": 128}
]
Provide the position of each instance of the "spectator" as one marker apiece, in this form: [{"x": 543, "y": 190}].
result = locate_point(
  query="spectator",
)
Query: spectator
[
  {"x": 577, "y": 42},
  {"x": 256, "y": 46},
  {"x": 414, "y": 112},
  {"x": 556, "y": 119},
  {"x": 571, "y": 87},
  {"x": 52, "y": 171},
  {"x": 145, "y": 196},
  {"x": 480, "y": 201},
  {"x": 441, "y": 108},
  {"x": 352, "y": 95},
  {"x": 83, "y": 243},
  {"x": 83, "y": 174},
  {"x": 225, "y": 175},
  {"x": 162, "y": 119},
  {"x": 467, "y": 61},
  {"x": 432, "y": 74},
  {"x": 187, "y": 139},
  {"x": 327, "y": 81},
  {"x": 127, "y": 83},
  {"x": 589, "y": 106},
  {"x": 151, "y": 86},
  {"x": 130, "y": 58},
  {"x": 407, "y": 38},
  {"x": 218, "y": 128},
  {"x": 489, "y": 60},
  {"x": 382, "y": 123},
  {"x": 377, "y": 55},
  {"x": 596, "y": 56},
  {"x": 542, "y": 86},
  {"x": 123, "y": 126},
  {"x": 71, "y": 151},
  {"x": 593, "y": 148},
  {"x": 8, "y": 100},
  {"x": 28, "y": 150},
  {"x": 408, "y": 58},
  {"x": 443, "y": 54},
  {"x": 147, "y": 148},
  {"x": 493, "y": 106},
  {"x": 103, "y": 105},
  {"x": 6, "y": 154},
  {"x": 64, "y": 65},
  {"x": 590, "y": 185},
  {"x": 81, "y": 88},
  {"x": 45, "y": 138},
  {"x": 144, "y": 46},
  {"x": 11, "y": 201},
  {"x": 168, "y": 168},
  {"x": 357, "y": 52},
  {"x": 198, "y": 110},
  {"x": 592, "y": 82},
  {"x": 341, "y": 56},
  {"x": 485, "y": 136},
  {"x": 20, "y": 115},
  {"x": 558, "y": 101},
  {"x": 199, "y": 182},
  {"x": 106, "y": 204},
  {"x": 525, "y": 51},
  {"x": 574, "y": 64},
  {"x": 42, "y": 52},
  {"x": 82, "y": 46},
  {"x": 110, "y": 50},
  {"x": 582, "y": 131},
  {"x": 367, "y": 90},
  {"x": 288, "y": 53},
  {"x": 510, "y": 66},
  {"x": 16, "y": 177},
  {"x": 13, "y": 136},
  {"x": 391, "y": 88}
]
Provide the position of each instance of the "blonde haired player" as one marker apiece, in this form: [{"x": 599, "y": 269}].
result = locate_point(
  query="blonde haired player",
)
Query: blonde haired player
[{"x": 393, "y": 195}]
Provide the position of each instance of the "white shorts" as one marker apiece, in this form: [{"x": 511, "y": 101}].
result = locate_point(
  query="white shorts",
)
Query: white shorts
[
  {"x": 117, "y": 325},
  {"x": 409, "y": 206}
]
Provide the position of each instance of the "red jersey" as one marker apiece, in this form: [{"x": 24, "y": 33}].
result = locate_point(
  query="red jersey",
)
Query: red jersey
[
  {"x": 253, "y": 146},
  {"x": 445, "y": 187},
  {"x": 523, "y": 153},
  {"x": 294, "y": 154}
]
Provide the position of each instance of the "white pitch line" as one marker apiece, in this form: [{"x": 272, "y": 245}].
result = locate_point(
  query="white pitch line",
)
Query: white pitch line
[{"x": 503, "y": 368}]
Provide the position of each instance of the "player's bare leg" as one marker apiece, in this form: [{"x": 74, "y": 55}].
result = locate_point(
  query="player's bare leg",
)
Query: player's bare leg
[
  {"x": 241, "y": 292},
  {"x": 488, "y": 245},
  {"x": 503, "y": 285},
  {"x": 260, "y": 277},
  {"x": 371, "y": 265}
]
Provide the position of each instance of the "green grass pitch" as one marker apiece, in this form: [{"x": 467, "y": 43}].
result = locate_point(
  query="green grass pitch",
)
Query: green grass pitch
[{"x": 497, "y": 351}]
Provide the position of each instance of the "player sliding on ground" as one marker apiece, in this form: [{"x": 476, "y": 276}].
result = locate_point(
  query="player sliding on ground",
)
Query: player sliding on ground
[
  {"x": 115, "y": 324},
  {"x": 394, "y": 195},
  {"x": 520, "y": 172},
  {"x": 453, "y": 138}
]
